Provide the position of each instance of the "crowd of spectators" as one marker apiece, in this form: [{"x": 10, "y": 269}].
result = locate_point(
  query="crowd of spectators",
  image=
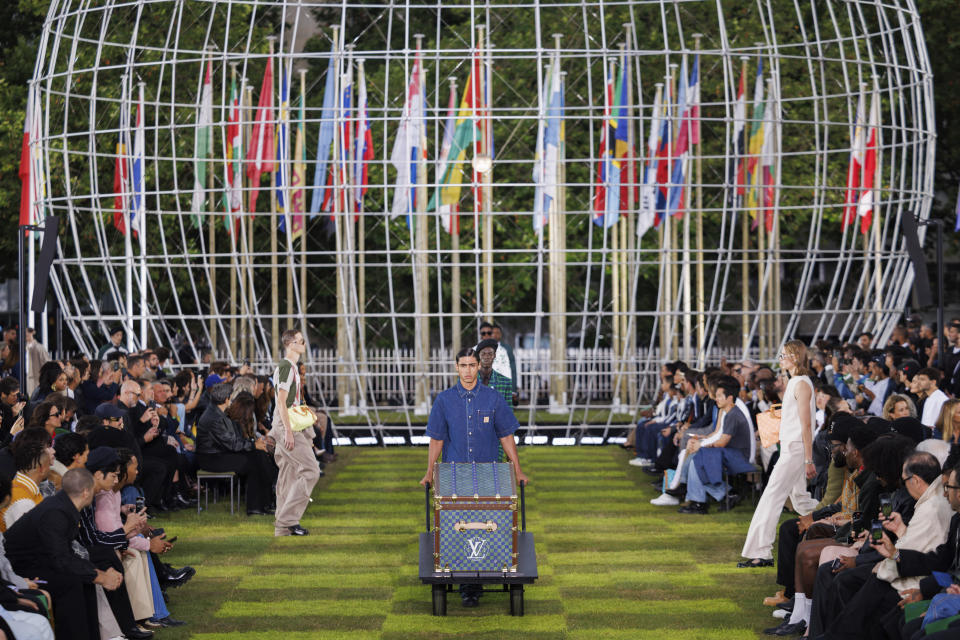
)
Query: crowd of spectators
[
  {"x": 884, "y": 535},
  {"x": 94, "y": 451}
]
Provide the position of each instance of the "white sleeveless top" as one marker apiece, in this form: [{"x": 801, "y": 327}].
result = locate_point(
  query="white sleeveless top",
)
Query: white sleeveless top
[{"x": 790, "y": 415}]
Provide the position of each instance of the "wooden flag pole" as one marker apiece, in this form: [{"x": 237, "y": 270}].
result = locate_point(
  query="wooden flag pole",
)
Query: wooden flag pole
[
  {"x": 212, "y": 243},
  {"x": 349, "y": 241},
  {"x": 456, "y": 323},
  {"x": 630, "y": 308},
  {"x": 233, "y": 236},
  {"x": 623, "y": 229},
  {"x": 877, "y": 241},
  {"x": 558, "y": 270},
  {"x": 685, "y": 202},
  {"x": 772, "y": 337},
  {"x": 661, "y": 258},
  {"x": 361, "y": 284},
  {"x": 744, "y": 243},
  {"x": 274, "y": 256},
  {"x": 250, "y": 222},
  {"x": 421, "y": 276},
  {"x": 701, "y": 297},
  {"x": 674, "y": 233},
  {"x": 344, "y": 401},
  {"x": 484, "y": 165},
  {"x": 303, "y": 230}
]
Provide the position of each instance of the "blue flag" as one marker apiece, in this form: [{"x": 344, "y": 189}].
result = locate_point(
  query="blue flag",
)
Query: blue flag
[{"x": 326, "y": 135}]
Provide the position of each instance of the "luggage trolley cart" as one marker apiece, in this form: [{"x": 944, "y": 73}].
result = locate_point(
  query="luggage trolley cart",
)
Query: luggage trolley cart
[{"x": 474, "y": 537}]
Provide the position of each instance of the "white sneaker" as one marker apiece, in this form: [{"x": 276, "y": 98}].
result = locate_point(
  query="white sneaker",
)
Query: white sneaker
[
  {"x": 640, "y": 462},
  {"x": 665, "y": 500},
  {"x": 780, "y": 613}
]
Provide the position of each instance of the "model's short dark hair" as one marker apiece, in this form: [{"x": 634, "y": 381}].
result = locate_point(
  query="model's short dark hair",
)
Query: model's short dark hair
[
  {"x": 86, "y": 424},
  {"x": 67, "y": 446},
  {"x": 484, "y": 325},
  {"x": 162, "y": 353},
  {"x": 464, "y": 353},
  {"x": 220, "y": 392},
  {"x": 930, "y": 372},
  {"x": 9, "y": 385},
  {"x": 729, "y": 385},
  {"x": 132, "y": 360},
  {"x": 29, "y": 448}
]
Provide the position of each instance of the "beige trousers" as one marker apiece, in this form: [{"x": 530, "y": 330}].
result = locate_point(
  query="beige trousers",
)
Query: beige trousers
[
  {"x": 136, "y": 575},
  {"x": 299, "y": 473},
  {"x": 108, "y": 623}
]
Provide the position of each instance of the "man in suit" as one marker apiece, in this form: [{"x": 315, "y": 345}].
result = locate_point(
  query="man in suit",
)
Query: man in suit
[{"x": 39, "y": 544}]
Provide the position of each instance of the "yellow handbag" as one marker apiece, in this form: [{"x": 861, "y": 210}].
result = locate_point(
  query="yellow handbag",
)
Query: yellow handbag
[
  {"x": 301, "y": 417},
  {"x": 768, "y": 426}
]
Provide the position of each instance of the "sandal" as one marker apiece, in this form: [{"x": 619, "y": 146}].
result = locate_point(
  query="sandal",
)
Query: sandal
[{"x": 755, "y": 563}]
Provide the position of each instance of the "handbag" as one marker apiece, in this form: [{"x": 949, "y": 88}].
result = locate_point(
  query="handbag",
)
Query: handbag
[
  {"x": 768, "y": 426},
  {"x": 301, "y": 417}
]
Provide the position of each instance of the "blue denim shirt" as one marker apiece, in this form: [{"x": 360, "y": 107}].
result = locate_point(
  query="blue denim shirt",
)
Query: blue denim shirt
[{"x": 470, "y": 423}]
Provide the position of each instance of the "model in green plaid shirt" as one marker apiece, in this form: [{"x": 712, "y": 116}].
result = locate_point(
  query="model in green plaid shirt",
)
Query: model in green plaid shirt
[{"x": 486, "y": 351}]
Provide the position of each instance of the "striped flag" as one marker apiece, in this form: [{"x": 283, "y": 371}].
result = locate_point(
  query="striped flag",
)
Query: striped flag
[
  {"x": 260, "y": 152},
  {"x": 121, "y": 167},
  {"x": 282, "y": 173},
  {"x": 466, "y": 133},
  {"x": 755, "y": 145},
  {"x": 298, "y": 179},
  {"x": 739, "y": 137},
  {"x": 866, "y": 202},
  {"x": 605, "y": 154},
  {"x": 767, "y": 155},
  {"x": 138, "y": 207},
  {"x": 621, "y": 152},
  {"x": 233, "y": 200},
  {"x": 325, "y": 140},
  {"x": 410, "y": 145},
  {"x": 647, "y": 216},
  {"x": 678, "y": 175},
  {"x": 31, "y": 163},
  {"x": 449, "y": 218},
  {"x": 202, "y": 146},
  {"x": 363, "y": 147},
  {"x": 546, "y": 167},
  {"x": 855, "y": 168}
]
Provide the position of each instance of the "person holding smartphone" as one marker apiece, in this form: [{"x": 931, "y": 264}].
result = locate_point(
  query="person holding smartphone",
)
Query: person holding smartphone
[{"x": 11, "y": 409}]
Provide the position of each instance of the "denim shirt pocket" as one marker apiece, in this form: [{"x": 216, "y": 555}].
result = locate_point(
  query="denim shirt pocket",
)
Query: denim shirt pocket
[{"x": 485, "y": 419}]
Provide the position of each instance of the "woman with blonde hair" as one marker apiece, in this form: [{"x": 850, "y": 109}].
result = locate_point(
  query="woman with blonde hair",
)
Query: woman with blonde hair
[
  {"x": 898, "y": 406},
  {"x": 948, "y": 424},
  {"x": 795, "y": 466}
]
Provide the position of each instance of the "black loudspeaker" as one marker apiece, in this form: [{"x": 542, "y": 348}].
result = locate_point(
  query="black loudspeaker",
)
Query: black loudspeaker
[
  {"x": 48, "y": 250},
  {"x": 921, "y": 280}
]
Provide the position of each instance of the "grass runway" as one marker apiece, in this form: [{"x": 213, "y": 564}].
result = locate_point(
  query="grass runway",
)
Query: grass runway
[{"x": 611, "y": 565}]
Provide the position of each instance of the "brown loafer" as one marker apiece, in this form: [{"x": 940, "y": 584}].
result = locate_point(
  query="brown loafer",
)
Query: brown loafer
[{"x": 773, "y": 601}]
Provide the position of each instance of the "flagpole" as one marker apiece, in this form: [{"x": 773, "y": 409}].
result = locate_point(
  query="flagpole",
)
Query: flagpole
[
  {"x": 685, "y": 200},
  {"x": 361, "y": 275},
  {"x": 744, "y": 233},
  {"x": 674, "y": 232},
  {"x": 456, "y": 323},
  {"x": 345, "y": 129},
  {"x": 875, "y": 219},
  {"x": 701, "y": 298},
  {"x": 623, "y": 231},
  {"x": 421, "y": 239},
  {"x": 303, "y": 230},
  {"x": 127, "y": 240},
  {"x": 344, "y": 400},
  {"x": 661, "y": 237},
  {"x": 630, "y": 320},
  {"x": 249, "y": 220},
  {"x": 771, "y": 264},
  {"x": 777, "y": 302},
  {"x": 141, "y": 214},
  {"x": 232, "y": 233},
  {"x": 274, "y": 254},
  {"x": 486, "y": 162},
  {"x": 557, "y": 265}
]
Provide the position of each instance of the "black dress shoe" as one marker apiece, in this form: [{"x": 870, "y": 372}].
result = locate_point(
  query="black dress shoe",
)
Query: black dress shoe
[
  {"x": 679, "y": 492},
  {"x": 787, "y": 629},
  {"x": 699, "y": 508},
  {"x": 186, "y": 502},
  {"x": 170, "y": 622},
  {"x": 756, "y": 563},
  {"x": 136, "y": 633},
  {"x": 734, "y": 500},
  {"x": 179, "y": 577},
  {"x": 297, "y": 530},
  {"x": 786, "y": 606}
]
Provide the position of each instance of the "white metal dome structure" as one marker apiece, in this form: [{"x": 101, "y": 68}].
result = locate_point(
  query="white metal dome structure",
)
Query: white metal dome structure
[{"x": 383, "y": 299}]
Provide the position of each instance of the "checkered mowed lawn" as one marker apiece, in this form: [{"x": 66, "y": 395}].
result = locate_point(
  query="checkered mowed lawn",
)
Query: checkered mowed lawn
[{"x": 611, "y": 565}]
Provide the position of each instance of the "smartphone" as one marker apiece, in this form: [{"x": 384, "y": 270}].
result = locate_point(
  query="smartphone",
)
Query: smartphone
[
  {"x": 173, "y": 539},
  {"x": 876, "y": 531},
  {"x": 886, "y": 505},
  {"x": 140, "y": 503},
  {"x": 836, "y": 565}
]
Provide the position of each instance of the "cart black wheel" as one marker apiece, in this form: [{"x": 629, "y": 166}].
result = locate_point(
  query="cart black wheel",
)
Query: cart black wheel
[
  {"x": 439, "y": 600},
  {"x": 516, "y": 599}
]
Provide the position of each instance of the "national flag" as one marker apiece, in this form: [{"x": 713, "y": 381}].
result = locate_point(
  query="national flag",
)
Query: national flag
[
  {"x": 621, "y": 152},
  {"x": 121, "y": 167},
  {"x": 261, "y": 150},
  {"x": 664, "y": 153},
  {"x": 449, "y": 218},
  {"x": 233, "y": 199},
  {"x": 468, "y": 131},
  {"x": 768, "y": 153},
  {"x": 605, "y": 154},
  {"x": 298, "y": 179},
  {"x": 363, "y": 147},
  {"x": 282, "y": 172},
  {"x": 866, "y": 202},
  {"x": 647, "y": 216},
  {"x": 755, "y": 144},
  {"x": 694, "y": 100},
  {"x": 138, "y": 207},
  {"x": 678, "y": 175},
  {"x": 411, "y": 144},
  {"x": 546, "y": 167},
  {"x": 855, "y": 168},
  {"x": 325, "y": 140},
  {"x": 739, "y": 137},
  {"x": 31, "y": 184},
  {"x": 345, "y": 144},
  {"x": 202, "y": 146}
]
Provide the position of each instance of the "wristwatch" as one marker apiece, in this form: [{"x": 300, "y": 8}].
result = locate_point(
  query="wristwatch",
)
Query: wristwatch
[{"x": 808, "y": 462}]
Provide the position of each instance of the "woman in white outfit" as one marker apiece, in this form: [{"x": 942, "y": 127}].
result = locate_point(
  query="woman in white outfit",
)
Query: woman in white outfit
[{"x": 795, "y": 466}]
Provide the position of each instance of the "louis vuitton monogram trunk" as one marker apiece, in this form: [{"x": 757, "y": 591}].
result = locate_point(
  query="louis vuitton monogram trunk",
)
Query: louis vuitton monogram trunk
[{"x": 475, "y": 517}]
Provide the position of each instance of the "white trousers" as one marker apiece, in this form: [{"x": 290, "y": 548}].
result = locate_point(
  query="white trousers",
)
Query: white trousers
[
  {"x": 34, "y": 626},
  {"x": 788, "y": 480}
]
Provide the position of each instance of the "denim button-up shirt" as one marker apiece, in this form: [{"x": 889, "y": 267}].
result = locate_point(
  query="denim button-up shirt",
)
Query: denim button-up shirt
[{"x": 470, "y": 423}]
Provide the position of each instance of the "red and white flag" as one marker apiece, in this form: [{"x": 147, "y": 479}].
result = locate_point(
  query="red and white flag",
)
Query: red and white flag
[
  {"x": 866, "y": 201},
  {"x": 855, "y": 168}
]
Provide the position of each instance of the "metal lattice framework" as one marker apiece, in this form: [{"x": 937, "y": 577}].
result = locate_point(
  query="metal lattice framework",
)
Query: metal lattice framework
[{"x": 382, "y": 304}]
